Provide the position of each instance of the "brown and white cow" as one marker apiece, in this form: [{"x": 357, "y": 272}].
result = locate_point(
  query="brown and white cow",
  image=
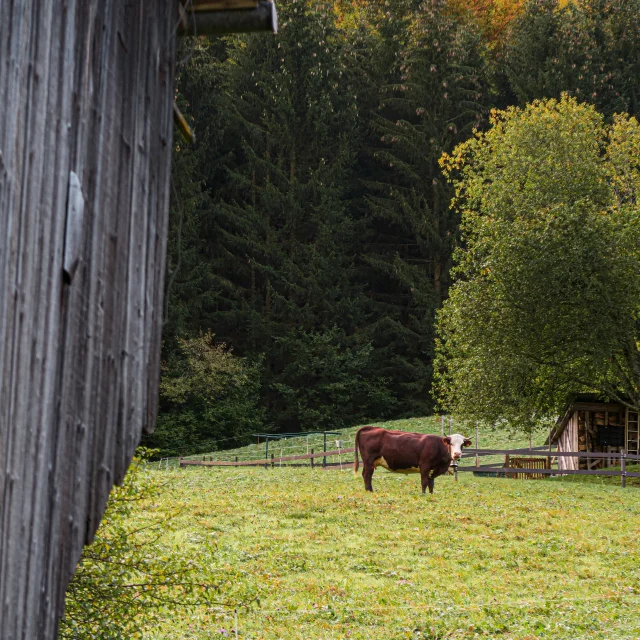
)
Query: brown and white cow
[{"x": 429, "y": 455}]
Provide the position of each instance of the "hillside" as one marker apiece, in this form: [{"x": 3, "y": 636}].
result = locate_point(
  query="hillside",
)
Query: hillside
[{"x": 497, "y": 439}]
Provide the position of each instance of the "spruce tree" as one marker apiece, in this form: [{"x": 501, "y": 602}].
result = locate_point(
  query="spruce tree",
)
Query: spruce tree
[
  {"x": 590, "y": 50},
  {"x": 434, "y": 97},
  {"x": 195, "y": 274},
  {"x": 282, "y": 232}
]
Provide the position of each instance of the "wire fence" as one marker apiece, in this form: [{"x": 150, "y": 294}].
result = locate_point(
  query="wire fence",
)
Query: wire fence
[
  {"x": 279, "y": 448},
  {"x": 292, "y": 445},
  {"x": 218, "y": 448},
  {"x": 509, "y": 468},
  {"x": 229, "y": 448}
]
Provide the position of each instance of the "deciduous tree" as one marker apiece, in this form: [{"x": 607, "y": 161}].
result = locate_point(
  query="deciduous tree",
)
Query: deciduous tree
[{"x": 547, "y": 295}]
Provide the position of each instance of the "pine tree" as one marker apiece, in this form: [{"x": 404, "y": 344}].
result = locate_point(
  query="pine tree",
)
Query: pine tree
[
  {"x": 195, "y": 275},
  {"x": 590, "y": 50},
  {"x": 433, "y": 100},
  {"x": 282, "y": 232}
]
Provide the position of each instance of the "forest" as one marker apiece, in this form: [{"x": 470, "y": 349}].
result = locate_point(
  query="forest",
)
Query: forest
[{"x": 312, "y": 236}]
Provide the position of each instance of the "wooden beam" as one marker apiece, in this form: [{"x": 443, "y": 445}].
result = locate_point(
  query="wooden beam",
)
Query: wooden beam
[
  {"x": 255, "y": 16},
  {"x": 220, "y": 5},
  {"x": 597, "y": 406},
  {"x": 183, "y": 127}
]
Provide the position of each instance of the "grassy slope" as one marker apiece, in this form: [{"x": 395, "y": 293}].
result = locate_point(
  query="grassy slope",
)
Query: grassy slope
[
  {"x": 292, "y": 446},
  {"x": 490, "y": 558}
]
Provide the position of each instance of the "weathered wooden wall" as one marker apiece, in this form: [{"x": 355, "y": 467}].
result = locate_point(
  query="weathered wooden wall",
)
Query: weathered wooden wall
[
  {"x": 86, "y": 86},
  {"x": 568, "y": 441}
]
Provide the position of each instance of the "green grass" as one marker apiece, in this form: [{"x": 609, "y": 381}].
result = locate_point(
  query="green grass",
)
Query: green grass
[
  {"x": 480, "y": 558},
  {"x": 602, "y": 480}
]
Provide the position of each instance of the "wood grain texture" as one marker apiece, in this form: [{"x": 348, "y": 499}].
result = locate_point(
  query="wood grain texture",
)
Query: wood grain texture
[
  {"x": 86, "y": 87},
  {"x": 568, "y": 441}
]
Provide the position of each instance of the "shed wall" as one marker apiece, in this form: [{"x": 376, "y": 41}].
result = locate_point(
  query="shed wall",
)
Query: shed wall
[
  {"x": 86, "y": 87},
  {"x": 568, "y": 441}
]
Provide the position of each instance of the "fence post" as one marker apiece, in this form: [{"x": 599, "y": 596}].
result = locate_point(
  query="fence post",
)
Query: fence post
[
  {"x": 312, "y": 460},
  {"x": 477, "y": 457},
  {"x": 236, "y": 458},
  {"x": 442, "y": 419},
  {"x": 623, "y": 469},
  {"x": 324, "y": 459},
  {"x": 273, "y": 464},
  {"x": 507, "y": 464},
  {"x": 204, "y": 458}
]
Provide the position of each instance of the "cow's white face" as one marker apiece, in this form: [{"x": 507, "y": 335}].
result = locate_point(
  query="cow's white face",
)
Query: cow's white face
[{"x": 456, "y": 442}]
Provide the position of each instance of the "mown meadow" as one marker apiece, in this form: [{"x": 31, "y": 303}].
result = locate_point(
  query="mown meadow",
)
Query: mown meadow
[{"x": 303, "y": 553}]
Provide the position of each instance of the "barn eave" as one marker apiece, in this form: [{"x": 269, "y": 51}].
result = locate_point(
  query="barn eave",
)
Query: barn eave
[{"x": 220, "y": 17}]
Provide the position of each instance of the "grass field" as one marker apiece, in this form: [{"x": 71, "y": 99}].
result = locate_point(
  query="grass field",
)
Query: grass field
[{"x": 481, "y": 558}]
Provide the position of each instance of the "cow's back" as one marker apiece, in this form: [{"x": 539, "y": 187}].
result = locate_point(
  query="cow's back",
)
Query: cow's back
[{"x": 400, "y": 450}]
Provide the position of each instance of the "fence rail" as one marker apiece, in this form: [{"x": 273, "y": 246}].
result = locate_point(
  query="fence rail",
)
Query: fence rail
[
  {"x": 554, "y": 472},
  {"x": 265, "y": 461},
  {"x": 546, "y": 453}
]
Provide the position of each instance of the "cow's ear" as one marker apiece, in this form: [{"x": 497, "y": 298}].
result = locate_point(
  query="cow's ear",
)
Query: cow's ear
[
  {"x": 446, "y": 440},
  {"x": 466, "y": 443}
]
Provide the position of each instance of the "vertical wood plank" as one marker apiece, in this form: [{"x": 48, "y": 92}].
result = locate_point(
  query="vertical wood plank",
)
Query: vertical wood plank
[{"x": 86, "y": 87}]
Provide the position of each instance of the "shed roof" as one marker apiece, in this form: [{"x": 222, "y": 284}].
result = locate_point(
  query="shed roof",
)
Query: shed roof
[{"x": 580, "y": 402}]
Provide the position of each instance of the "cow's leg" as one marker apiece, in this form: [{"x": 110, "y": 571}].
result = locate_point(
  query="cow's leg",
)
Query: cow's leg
[
  {"x": 426, "y": 480},
  {"x": 367, "y": 474},
  {"x": 438, "y": 471}
]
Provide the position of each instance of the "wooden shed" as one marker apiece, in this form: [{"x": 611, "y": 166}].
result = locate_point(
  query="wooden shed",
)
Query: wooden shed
[
  {"x": 592, "y": 424},
  {"x": 87, "y": 89}
]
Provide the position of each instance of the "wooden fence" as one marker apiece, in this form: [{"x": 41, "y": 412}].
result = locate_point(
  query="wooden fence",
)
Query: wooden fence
[
  {"x": 265, "y": 462},
  {"x": 544, "y": 468},
  {"x": 536, "y": 462},
  {"x": 521, "y": 462}
]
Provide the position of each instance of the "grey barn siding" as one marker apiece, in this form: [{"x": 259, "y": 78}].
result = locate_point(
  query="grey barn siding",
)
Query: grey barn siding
[{"x": 86, "y": 86}]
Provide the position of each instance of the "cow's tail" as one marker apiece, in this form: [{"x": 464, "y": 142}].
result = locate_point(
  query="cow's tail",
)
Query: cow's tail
[{"x": 355, "y": 461}]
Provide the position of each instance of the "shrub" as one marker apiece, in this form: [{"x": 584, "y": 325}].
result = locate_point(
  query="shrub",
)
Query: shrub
[{"x": 131, "y": 571}]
